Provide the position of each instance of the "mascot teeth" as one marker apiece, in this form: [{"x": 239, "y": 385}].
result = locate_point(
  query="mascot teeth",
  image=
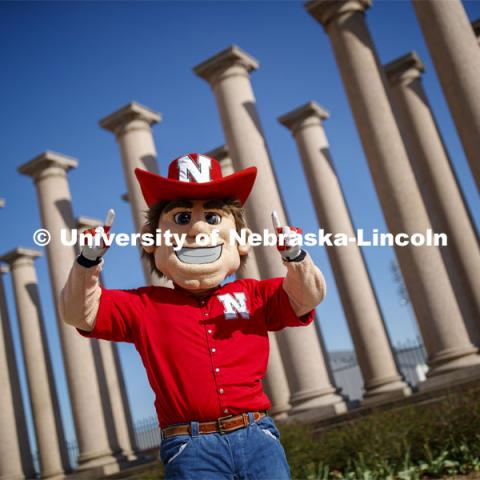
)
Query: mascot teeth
[{"x": 199, "y": 255}]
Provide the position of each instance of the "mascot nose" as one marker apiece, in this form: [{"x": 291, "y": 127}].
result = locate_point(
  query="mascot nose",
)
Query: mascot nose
[{"x": 199, "y": 226}]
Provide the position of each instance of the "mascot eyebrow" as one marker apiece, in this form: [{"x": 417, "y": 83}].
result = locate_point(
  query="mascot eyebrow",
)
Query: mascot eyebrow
[
  {"x": 177, "y": 204},
  {"x": 216, "y": 204}
]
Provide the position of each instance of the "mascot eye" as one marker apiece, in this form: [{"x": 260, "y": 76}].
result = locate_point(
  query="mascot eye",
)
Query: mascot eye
[
  {"x": 213, "y": 218},
  {"x": 182, "y": 218}
]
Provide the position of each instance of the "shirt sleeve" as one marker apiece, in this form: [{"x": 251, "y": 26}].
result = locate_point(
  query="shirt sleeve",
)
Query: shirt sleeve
[
  {"x": 278, "y": 311},
  {"x": 118, "y": 316}
]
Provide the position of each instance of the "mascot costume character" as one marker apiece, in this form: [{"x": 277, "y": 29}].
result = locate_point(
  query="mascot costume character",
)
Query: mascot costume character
[{"x": 204, "y": 343}]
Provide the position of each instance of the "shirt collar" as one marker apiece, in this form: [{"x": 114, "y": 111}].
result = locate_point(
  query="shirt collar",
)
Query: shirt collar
[{"x": 204, "y": 295}]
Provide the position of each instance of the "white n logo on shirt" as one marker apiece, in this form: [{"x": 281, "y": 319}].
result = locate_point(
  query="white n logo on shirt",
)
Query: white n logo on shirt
[
  {"x": 199, "y": 171},
  {"x": 234, "y": 305}
]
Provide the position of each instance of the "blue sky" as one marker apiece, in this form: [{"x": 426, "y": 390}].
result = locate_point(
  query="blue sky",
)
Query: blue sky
[{"x": 66, "y": 65}]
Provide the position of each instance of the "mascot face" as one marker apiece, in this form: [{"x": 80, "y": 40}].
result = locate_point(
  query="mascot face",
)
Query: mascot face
[
  {"x": 193, "y": 265},
  {"x": 198, "y": 267}
]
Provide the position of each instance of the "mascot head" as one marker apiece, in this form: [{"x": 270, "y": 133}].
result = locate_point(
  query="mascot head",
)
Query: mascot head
[{"x": 195, "y": 201}]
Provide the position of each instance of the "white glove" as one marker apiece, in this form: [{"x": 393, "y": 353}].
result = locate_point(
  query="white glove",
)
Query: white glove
[
  {"x": 98, "y": 249},
  {"x": 290, "y": 250}
]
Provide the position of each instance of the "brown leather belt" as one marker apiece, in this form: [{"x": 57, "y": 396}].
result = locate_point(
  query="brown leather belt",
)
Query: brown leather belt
[{"x": 221, "y": 425}]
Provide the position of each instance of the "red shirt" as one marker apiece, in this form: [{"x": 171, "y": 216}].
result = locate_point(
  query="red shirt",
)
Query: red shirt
[{"x": 205, "y": 356}]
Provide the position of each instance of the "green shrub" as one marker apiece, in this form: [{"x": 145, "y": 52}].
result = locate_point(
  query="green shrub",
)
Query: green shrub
[
  {"x": 430, "y": 440},
  {"x": 417, "y": 441}
]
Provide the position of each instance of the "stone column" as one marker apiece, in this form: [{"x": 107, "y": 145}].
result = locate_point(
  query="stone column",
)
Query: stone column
[
  {"x": 476, "y": 29},
  {"x": 438, "y": 185},
  {"x": 426, "y": 279},
  {"x": 381, "y": 377},
  {"x": 275, "y": 381},
  {"x": 2, "y": 202},
  {"x": 112, "y": 386},
  {"x": 131, "y": 126},
  {"x": 41, "y": 384},
  {"x": 49, "y": 173},
  {"x": 455, "y": 54},
  {"x": 228, "y": 75},
  {"x": 15, "y": 455}
]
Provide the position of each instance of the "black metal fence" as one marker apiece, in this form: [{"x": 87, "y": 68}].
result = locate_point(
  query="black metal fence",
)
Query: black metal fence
[
  {"x": 147, "y": 433},
  {"x": 72, "y": 449},
  {"x": 147, "y": 436},
  {"x": 411, "y": 360}
]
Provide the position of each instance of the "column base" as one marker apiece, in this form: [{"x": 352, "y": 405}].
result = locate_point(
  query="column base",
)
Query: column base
[
  {"x": 279, "y": 412},
  {"x": 326, "y": 400},
  {"x": 88, "y": 461},
  {"x": 306, "y": 399},
  {"x": 337, "y": 407},
  {"x": 453, "y": 360},
  {"x": 130, "y": 457},
  {"x": 385, "y": 389},
  {"x": 371, "y": 400},
  {"x": 450, "y": 379},
  {"x": 95, "y": 473},
  {"x": 53, "y": 476},
  {"x": 101, "y": 471},
  {"x": 383, "y": 385},
  {"x": 122, "y": 456}
]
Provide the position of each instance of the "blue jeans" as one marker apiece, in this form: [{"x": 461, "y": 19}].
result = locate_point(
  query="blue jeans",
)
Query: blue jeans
[{"x": 250, "y": 453}]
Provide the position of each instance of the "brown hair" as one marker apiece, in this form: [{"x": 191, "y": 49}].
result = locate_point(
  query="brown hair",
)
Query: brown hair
[{"x": 229, "y": 205}]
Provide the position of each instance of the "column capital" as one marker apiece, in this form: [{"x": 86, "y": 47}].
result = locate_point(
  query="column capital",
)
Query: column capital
[
  {"x": 127, "y": 114},
  {"x": 87, "y": 222},
  {"x": 4, "y": 269},
  {"x": 476, "y": 28},
  {"x": 293, "y": 119},
  {"x": 324, "y": 11},
  {"x": 2, "y": 202},
  {"x": 20, "y": 254},
  {"x": 222, "y": 154},
  {"x": 404, "y": 69},
  {"x": 230, "y": 57},
  {"x": 219, "y": 153},
  {"x": 46, "y": 160}
]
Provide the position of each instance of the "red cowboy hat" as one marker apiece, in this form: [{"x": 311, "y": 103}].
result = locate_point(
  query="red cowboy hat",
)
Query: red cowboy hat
[{"x": 196, "y": 177}]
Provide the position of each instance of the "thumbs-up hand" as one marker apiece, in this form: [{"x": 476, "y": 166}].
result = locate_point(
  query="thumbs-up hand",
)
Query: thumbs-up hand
[{"x": 290, "y": 249}]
